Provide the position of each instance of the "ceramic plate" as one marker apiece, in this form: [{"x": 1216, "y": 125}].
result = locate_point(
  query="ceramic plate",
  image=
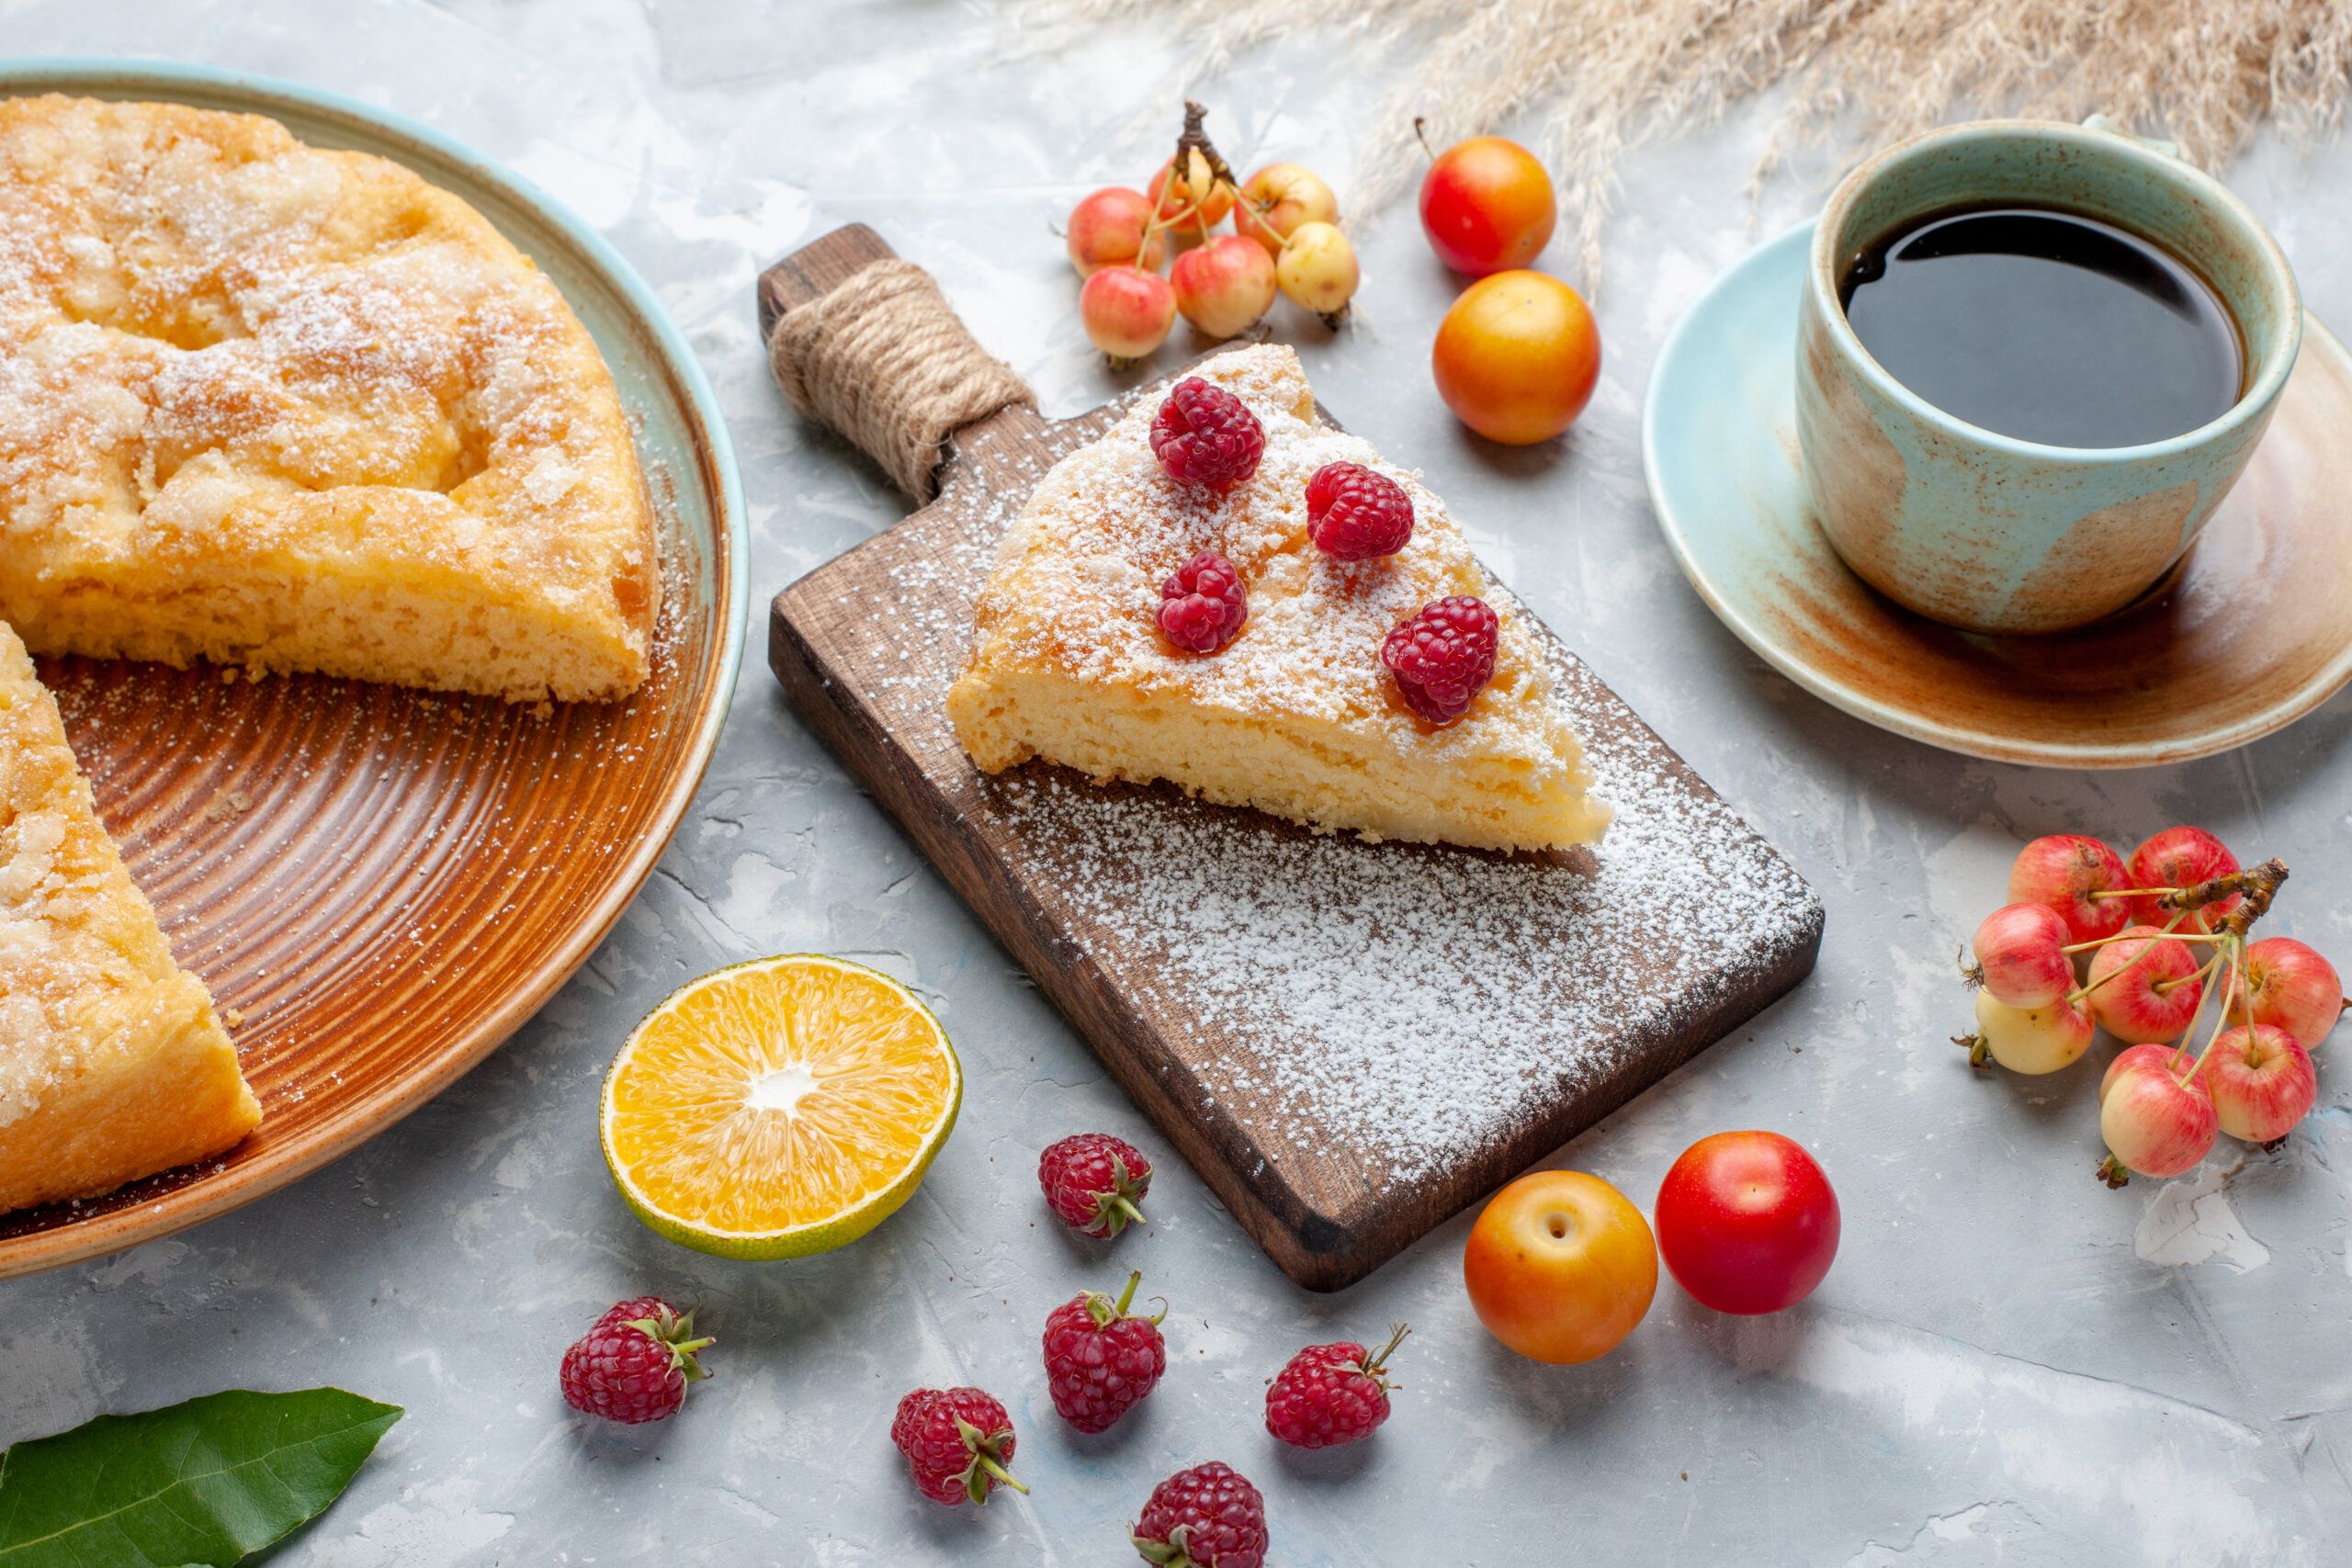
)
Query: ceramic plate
[
  {"x": 2253, "y": 631},
  {"x": 382, "y": 886}
]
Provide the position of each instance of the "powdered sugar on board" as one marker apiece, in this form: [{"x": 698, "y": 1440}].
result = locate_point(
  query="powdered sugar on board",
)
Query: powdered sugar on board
[
  {"x": 1381, "y": 1013},
  {"x": 1404, "y": 1004}
]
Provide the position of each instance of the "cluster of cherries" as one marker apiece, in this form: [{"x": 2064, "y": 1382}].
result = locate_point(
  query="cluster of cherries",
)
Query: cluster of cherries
[
  {"x": 2140, "y": 946},
  {"x": 1441, "y": 656},
  {"x": 1287, "y": 239},
  {"x": 1102, "y": 1359}
]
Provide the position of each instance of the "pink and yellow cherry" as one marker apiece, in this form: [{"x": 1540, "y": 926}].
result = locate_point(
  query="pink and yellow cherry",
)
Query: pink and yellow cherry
[
  {"x": 2292, "y": 986},
  {"x": 1198, "y": 189},
  {"x": 1225, "y": 285},
  {"x": 2261, "y": 1080},
  {"x": 1126, "y": 312},
  {"x": 1317, "y": 271},
  {"x": 2156, "y": 1118},
  {"x": 2181, "y": 857},
  {"x": 2020, "y": 955},
  {"x": 2061, "y": 872},
  {"x": 1487, "y": 206},
  {"x": 2030, "y": 1040},
  {"x": 1277, "y": 200},
  {"x": 2144, "y": 987},
  {"x": 1109, "y": 228}
]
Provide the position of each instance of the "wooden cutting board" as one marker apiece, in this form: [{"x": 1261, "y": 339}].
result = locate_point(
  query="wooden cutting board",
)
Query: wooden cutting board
[{"x": 1350, "y": 1042}]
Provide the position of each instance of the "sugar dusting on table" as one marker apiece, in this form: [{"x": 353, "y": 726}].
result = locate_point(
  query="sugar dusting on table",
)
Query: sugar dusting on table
[{"x": 1400, "y": 1005}]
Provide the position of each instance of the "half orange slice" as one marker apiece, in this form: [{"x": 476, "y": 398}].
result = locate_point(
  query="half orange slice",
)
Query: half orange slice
[{"x": 779, "y": 1108}]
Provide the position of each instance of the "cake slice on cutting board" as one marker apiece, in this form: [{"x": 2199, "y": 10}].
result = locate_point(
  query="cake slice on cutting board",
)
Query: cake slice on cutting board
[
  {"x": 113, "y": 1065},
  {"x": 1297, "y": 714}
]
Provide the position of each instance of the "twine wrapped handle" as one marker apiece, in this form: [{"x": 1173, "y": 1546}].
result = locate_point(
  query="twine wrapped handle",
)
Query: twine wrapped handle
[{"x": 883, "y": 358}]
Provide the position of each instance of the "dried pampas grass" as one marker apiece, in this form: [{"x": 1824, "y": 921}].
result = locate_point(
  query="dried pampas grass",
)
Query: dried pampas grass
[{"x": 1597, "y": 75}]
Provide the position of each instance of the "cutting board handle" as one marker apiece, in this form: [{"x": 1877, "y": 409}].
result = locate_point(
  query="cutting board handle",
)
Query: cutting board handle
[{"x": 863, "y": 341}]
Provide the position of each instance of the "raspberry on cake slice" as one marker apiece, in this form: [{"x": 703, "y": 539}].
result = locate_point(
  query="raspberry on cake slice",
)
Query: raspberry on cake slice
[{"x": 1228, "y": 594}]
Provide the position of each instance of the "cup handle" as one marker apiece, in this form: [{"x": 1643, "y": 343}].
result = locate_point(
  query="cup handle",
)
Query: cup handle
[{"x": 2153, "y": 143}]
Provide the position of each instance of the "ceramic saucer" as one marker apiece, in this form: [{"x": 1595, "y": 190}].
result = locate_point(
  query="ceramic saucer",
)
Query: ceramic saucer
[{"x": 2253, "y": 631}]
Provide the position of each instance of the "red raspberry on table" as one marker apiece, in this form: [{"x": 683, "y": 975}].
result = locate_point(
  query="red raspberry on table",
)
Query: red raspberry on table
[
  {"x": 1100, "y": 1361},
  {"x": 1205, "y": 435},
  {"x": 640, "y": 1306},
  {"x": 958, "y": 1443},
  {"x": 634, "y": 1362},
  {"x": 1354, "y": 512},
  {"x": 1095, "y": 1183},
  {"x": 1207, "y": 1516},
  {"x": 1329, "y": 1395},
  {"x": 1203, "y": 606},
  {"x": 1442, "y": 655}
]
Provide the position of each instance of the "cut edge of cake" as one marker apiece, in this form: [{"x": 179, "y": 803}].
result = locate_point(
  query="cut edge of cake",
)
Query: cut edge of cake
[{"x": 117, "y": 1065}]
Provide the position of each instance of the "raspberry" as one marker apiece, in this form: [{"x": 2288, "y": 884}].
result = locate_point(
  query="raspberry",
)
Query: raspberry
[
  {"x": 1354, "y": 512},
  {"x": 1205, "y": 435},
  {"x": 1329, "y": 1395},
  {"x": 1203, "y": 606},
  {"x": 1094, "y": 1182},
  {"x": 958, "y": 1443},
  {"x": 634, "y": 1362},
  {"x": 1207, "y": 1516},
  {"x": 1100, "y": 1362},
  {"x": 1442, "y": 655},
  {"x": 642, "y": 1306}
]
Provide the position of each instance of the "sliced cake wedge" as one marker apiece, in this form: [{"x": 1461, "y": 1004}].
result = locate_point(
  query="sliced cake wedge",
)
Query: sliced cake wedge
[
  {"x": 113, "y": 1065},
  {"x": 1297, "y": 716}
]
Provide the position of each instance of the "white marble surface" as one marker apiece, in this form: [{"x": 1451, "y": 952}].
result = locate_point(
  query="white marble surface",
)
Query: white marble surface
[{"x": 2008, "y": 1364}]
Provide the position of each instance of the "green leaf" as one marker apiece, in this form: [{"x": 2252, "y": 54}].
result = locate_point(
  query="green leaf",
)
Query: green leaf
[{"x": 210, "y": 1481}]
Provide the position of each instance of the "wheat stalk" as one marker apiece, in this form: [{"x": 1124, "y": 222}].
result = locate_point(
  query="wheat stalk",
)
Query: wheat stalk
[{"x": 1597, "y": 76}]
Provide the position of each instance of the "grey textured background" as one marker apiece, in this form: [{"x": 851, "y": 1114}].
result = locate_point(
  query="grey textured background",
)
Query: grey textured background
[{"x": 2008, "y": 1364}]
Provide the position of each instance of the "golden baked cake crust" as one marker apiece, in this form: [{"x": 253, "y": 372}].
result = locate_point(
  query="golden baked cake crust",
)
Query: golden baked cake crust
[
  {"x": 294, "y": 409},
  {"x": 113, "y": 1065},
  {"x": 1297, "y": 716}
]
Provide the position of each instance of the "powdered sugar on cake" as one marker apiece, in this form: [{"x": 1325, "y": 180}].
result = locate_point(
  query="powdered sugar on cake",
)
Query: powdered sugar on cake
[{"x": 1108, "y": 526}]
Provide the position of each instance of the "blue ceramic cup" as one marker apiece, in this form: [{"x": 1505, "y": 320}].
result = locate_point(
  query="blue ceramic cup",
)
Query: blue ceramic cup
[{"x": 1985, "y": 531}]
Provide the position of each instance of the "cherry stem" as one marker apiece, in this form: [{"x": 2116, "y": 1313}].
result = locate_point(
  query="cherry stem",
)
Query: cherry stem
[
  {"x": 2260, "y": 884},
  {"x": 2136, "y": 960},
  {"x": 1156, "y": 225},
  {"x": 2120, "y": 936},
  {"x": 2165, "y": 987},
  {"x": 1421, "y": 134},
  {"x": 2232, "y": 949},
  {"x": 1196, "y": 140}
]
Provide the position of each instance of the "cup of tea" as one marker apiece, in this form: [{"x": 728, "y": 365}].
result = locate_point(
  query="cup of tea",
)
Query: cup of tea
[{"x": 2032, "y": 358}]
